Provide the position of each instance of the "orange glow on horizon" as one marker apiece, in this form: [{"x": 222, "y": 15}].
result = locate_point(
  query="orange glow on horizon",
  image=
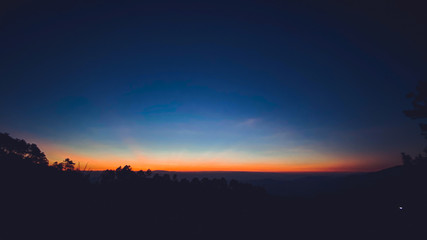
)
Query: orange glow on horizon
[
  {"x": 112, "y": 162},
  {"x": 185, "y": 162},
  {"x": 240, "y": 168}
]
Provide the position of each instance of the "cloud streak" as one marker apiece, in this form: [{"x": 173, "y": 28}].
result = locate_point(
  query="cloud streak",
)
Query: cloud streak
[{"x": 250, "y": 122}]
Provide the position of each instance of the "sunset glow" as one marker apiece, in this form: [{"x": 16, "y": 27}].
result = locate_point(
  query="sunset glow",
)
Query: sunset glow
[
  {"x": 196, "y": 119},
  {"x": 210, "y": 90},
  {"x": 210, "y": 161}
]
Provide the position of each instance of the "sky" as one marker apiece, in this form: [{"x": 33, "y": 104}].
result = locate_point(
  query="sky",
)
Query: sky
[{"x": 276, "y": 86}]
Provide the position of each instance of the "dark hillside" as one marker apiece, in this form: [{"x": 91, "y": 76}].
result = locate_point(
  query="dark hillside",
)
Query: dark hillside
[{"x": 58, "y": 199}]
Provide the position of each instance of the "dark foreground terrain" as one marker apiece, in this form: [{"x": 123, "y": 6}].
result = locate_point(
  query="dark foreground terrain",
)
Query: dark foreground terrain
[{"x": 58, "y": 201}]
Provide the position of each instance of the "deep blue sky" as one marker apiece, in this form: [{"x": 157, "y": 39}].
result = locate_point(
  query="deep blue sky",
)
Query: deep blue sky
[{"x": 250, "y": 85}]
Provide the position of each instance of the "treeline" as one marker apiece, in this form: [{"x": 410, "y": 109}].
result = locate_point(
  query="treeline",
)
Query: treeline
[
  {"x": 28, "y": 156},
  {"x": 59, "y": 200},
  {"x": 59, "y": 195},
  {"x": 126, "y": 175}
]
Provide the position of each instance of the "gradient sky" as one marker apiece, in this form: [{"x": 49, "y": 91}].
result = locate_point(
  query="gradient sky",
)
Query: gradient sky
[{"x": 213, "y": 85}]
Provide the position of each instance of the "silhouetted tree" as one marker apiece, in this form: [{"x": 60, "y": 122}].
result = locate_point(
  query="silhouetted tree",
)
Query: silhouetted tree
[
  {"x": 66, "y": 165},
  {"x": 166, "y": 178},
  {"x": 205, "y": 181},
  {"x": 140, "y": 174},
  {"x": 195, "y": 181},
  {"x": 420, "y": 160},
  {"x": 17, "y": 149},
  {"x": 234, "y": 184},
  {"x": 157, "y": 178},
  {"x": 419, "y": 111},
  {"x": 419, "y": 103},
  {"x": 108, "y": 176},
  {"x": 406, "y": 159},
  {"x": 184, "y": 181},
  {"x": 148, "y": 172},
  {"x": 219, "y": 183},
  {"x": 125, "y": 173},
  {"x": 58, "y": 166}
]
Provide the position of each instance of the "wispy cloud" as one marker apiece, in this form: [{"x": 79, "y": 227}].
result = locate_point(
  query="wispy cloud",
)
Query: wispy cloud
[{"x": 250, "y": 122}]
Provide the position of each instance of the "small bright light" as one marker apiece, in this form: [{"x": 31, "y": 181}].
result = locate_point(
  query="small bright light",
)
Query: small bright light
[{"x": 400, "y": 208}]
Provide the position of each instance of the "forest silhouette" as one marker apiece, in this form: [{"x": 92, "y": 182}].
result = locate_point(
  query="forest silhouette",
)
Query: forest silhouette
[{"x": 58, "y": 199}]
